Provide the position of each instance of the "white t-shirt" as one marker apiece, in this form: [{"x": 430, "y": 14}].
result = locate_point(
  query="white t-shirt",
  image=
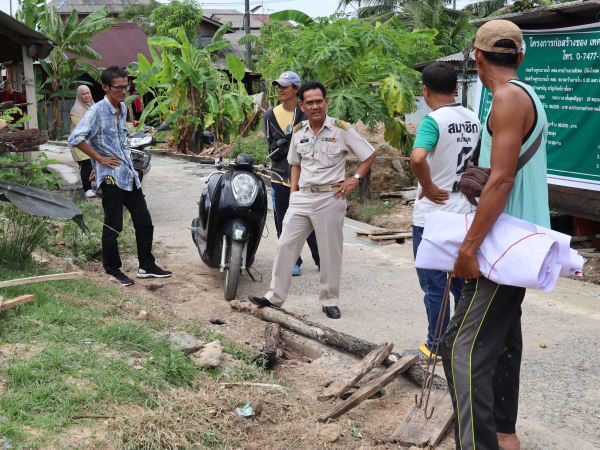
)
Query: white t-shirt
[{"x": 458, "y": 133}]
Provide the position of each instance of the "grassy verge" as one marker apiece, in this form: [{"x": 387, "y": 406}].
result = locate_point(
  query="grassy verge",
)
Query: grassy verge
[
  {"x": 77, "y": 350},
  {"x": 367, "y": 211}
]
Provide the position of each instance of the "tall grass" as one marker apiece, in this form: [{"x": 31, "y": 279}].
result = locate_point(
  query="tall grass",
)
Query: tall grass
[{"x": 20, "y": 235}]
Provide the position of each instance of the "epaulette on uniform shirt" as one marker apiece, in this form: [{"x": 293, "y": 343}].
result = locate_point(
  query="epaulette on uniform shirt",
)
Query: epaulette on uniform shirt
[
  {"x": 341, "y": 124},
  {"x": 300, "y": 125}
]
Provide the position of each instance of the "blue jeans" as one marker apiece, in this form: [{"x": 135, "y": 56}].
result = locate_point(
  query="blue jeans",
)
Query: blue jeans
[{"x": 433, "y": 283}]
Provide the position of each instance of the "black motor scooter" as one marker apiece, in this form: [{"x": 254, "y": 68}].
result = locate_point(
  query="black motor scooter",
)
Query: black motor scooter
[
  {"x": 231, "y": 217},
  {"x": 136, "y": 143}
]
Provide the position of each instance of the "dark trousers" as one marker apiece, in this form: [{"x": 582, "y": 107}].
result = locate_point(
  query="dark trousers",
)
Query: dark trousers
[
  {"x": 113, "y": 200},
  {"x": 85, "y": 170},
  {"x": 433, "y": 284},
  {"x": 281, "y": 202},
  {"x": 482, "y": 352}
]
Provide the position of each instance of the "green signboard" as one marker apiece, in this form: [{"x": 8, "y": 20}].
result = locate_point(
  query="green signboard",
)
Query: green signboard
[{"x": 563, "y": 66}]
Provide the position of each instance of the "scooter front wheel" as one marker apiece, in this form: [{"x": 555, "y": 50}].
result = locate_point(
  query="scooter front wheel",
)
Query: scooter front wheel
[{"x": 234, "y": 269}]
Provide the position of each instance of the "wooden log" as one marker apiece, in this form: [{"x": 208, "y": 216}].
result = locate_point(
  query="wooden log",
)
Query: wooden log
[
  {"x": 419, "y": 431},
  {"x": 40, "y": 279},
  {"x": 380, "y": 232},
  {"x": 364, "y": 187},
  {"x": 391, "y": 195},
  {"x": 343, "y": 384},
  {"x": 15, "y": 165},
  {"x": 370, "y": 388},
  {"x": 272, "y": 350},
  {"x": 590, "y": 237},
  {"x": 6, "y": 105},
  {"x": 336, "y": 339},
  {"x": 16, "y": 301},
  {"x": 20, "y": 141},
  {"x": 391, "y": 236}
]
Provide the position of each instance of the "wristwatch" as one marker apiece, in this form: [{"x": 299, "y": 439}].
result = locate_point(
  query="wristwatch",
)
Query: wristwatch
[{"x": 357, "y": 176}]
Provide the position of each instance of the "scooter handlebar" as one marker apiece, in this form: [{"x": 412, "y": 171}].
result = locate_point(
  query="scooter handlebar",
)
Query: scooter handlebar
[{"x": 161, "y": 142}]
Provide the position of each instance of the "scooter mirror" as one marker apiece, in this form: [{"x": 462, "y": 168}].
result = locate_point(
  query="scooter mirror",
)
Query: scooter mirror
[
  {"x": 282, "y": 143},
  {"x": 226, "y": 162},
  {"x": 163, "y": 127},
  {"x": 207, "y": 137}
]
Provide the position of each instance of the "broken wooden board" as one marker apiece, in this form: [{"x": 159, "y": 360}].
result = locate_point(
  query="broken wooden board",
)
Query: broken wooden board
[
  {"x": 356, "y": 373},
  {"x": 384, "y": 231},
  {"x": 58, "y": 276},
  {"x": 416, "y": 430},
  {"x": 391, "y": 236},
  {"x": 371, "y": 387},
  {"x": 16, "y": 301}
]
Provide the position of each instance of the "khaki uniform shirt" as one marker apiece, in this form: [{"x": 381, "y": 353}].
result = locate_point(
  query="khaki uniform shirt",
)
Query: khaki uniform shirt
[{"x": 323, "y": 157}]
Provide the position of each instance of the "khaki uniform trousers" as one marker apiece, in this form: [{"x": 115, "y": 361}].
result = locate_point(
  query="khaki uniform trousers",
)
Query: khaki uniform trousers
[{"x": 309, "y": 211}]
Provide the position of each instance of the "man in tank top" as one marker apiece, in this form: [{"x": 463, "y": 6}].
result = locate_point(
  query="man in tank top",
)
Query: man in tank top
[
  {"x": 445, "y": 141},
  {"x": 483, "y": 344}
]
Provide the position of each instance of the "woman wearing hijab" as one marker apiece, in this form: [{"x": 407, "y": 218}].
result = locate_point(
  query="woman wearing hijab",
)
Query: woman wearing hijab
[{"x": 82, "y": 104}]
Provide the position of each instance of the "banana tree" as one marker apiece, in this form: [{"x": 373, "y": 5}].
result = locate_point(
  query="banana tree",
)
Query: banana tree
[
  {"x": 73, "y": 39},
  {"x": 176, "y": 84}
]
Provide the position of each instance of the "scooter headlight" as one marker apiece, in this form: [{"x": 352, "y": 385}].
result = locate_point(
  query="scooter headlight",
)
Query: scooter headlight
[
  {"x": 138, "y": 142},
  {"x": 244, "y": 188}
]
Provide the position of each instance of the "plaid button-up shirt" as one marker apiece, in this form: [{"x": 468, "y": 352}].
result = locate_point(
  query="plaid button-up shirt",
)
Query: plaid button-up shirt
[{"x": 106, "y": 133}]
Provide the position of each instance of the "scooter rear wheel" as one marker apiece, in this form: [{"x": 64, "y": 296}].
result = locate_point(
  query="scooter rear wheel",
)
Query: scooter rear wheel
[{"x": 234, "y": 269}]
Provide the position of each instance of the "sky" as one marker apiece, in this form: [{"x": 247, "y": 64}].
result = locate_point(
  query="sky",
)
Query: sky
[{"x": 313, "y": 8}]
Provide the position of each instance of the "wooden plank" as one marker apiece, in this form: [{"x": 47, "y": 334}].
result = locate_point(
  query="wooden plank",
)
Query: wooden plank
[
  {"x": 17, "y": 301},
  {"x": 419, "y": 431},
  {"x": 40, "y": 279},
  {"x": 391, "y": 236},
  {"x": 371, "y": 388},
  {"x": 356, "y": 373},
  {"x": 391, "y": 241},
  {"x": 590, "y": 237},
  {"x": 379, "y": 232},
  {"x": 391, "y": 195},
  {"x": 587, "y": 250}
]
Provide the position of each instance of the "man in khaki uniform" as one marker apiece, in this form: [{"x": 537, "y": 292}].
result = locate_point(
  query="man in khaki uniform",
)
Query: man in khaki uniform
[{"x": 317, "y": 154}]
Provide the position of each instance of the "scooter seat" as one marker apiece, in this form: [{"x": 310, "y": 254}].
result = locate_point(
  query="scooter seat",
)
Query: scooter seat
[{"x": 212, "y": 184}]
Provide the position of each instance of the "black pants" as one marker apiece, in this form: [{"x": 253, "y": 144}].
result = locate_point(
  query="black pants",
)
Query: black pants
[
  {"x": 281, "y": 203},
  {"x": 113, "y": 200},
  {"x": 482, "y": 351},
  {"x": 85, "y": 170}
]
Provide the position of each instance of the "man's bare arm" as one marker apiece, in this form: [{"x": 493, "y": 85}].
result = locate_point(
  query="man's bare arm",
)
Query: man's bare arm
[
  {"x": 509, "y": 112},
  {"x": 108, "y": 161},
  {"x": 294, "y": 178},
  {"x": 421, "y": 169}
]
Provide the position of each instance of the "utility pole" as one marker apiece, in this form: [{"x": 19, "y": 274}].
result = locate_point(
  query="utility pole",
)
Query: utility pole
[
  {"x": 455, "y": 4},
  {"x": 248, "y": 44}
]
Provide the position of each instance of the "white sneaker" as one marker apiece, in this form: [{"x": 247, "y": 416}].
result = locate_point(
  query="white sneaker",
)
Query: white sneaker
[{"x": 90, "y": 194}]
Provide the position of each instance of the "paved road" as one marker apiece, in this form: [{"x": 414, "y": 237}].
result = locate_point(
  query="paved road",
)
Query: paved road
[{"x": 382, "y": 301}]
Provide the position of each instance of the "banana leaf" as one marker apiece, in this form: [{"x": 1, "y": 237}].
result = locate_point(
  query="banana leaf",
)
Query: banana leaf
[{"x": 39, "y": 202}]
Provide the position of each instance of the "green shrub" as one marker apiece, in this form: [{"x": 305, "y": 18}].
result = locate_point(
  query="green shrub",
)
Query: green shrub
[{"x": 254, "y": 146}]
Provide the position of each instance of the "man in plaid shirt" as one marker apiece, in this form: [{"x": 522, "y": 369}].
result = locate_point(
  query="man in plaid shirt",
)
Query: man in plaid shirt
[{"x": 101, "y": 135}]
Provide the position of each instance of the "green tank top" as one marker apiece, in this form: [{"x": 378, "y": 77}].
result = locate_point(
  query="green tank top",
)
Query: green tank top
[{"x": 528, "y": 198}]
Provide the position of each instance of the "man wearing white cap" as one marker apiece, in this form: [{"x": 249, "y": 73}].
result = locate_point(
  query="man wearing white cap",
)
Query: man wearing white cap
[
  {"x": 483, "y": 344},
  {"x": 278, "y": 124}
]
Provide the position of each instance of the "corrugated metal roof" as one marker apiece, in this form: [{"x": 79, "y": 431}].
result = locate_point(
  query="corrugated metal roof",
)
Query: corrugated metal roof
[
  {"x": 23, "y": 35},
  {"x": 120, "y": 45},
  {"x": 238, "y": 50},
  {"x": 455, "y": 59},
  {"x": 264, "y": 18},
  {"x": 231, "y": 15},
  {"x": 89, "y": 6},
  {"x": 553, "y": 16}
]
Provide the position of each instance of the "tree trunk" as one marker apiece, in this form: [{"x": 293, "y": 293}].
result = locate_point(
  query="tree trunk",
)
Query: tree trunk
[
  {"x": 273, "y": 348},
  {"x": 364, "y": 187}
]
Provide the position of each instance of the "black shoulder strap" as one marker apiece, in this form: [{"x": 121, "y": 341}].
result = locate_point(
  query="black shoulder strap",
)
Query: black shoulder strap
[{"x": 530, "y": 152}]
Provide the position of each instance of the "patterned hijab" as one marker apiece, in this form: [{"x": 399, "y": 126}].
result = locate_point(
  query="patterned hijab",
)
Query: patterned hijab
[{"x": 80, "y": 107}]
